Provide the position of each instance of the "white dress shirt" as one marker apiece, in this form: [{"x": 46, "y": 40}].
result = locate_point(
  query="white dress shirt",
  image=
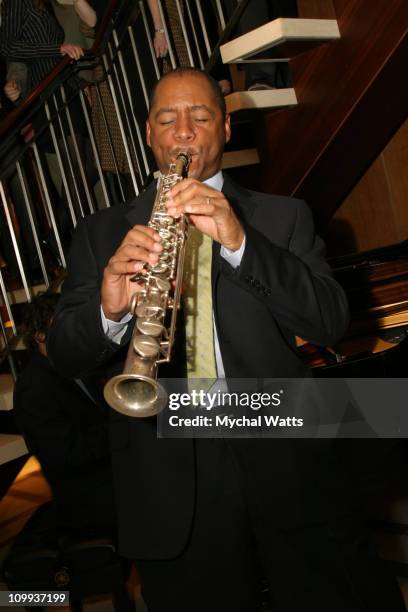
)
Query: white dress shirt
[{"x": 116, "y": 329}]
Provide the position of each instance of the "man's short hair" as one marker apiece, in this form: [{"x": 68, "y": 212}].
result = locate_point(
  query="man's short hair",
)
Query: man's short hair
[
  {"x": 189, "y": 70},
  {"x": 37, "y": 317}
]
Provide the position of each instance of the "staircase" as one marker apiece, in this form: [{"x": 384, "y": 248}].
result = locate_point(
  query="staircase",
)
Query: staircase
[
  {"x": 352, "y": 97},
  {"x": 283, "y": 39},
  {"x": 348, "y": 100},
  {"x": 263, "y": 100}
]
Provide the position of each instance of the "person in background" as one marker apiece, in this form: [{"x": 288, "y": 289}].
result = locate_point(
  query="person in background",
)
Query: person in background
[
  {"x": 159, "y": 41},
  {"x": 16, "y": 81},
  {"x": 32, "y": 44},
  {"x": 258, "y": 12},
  {"x": 14, "y": 87},
  {"x": 12, "y": 90},
  {"x": 64, "y": 425},
  {"x": 89, "y": 12},
  {"x": 220, "y": 73},
  {"x": 30, "y": 33},
  {"x": 104, "y": 115}
]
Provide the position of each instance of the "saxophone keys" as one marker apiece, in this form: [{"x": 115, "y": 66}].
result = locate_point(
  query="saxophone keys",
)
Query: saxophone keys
[
  {"x": 162, "y": 284},
  {"x": 146, "y": 346},
  {"x": 165, "y": 257},
  {"x": 171, "y": 303},
  {"x": 149, "y": 327},
  {"x": 138, "y": 278},
  {"x": 148, "y": 311},
  {"x": 158, "y": 268}
]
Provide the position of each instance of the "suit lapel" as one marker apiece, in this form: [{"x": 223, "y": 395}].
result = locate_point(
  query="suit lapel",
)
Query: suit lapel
[
  {"x": 239, "y": 198},
  {"x": 140, "y": 209}
]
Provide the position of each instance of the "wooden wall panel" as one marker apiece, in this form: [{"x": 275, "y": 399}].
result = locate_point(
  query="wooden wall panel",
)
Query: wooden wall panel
[
  {"x": 376, "y": 212},
  {"x": 395, "y": 158},
  {"x": 316, "y": 9},
  {"x": 365, "y": 219},
  {"x": 351, "y": 101}
]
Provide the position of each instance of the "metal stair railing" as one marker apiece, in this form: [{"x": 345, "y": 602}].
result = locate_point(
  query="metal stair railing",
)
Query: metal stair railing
[{"x": 51, "y": 171}]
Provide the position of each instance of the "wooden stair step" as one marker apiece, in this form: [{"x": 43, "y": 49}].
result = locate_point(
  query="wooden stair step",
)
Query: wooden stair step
[
  {"x": 14, "y": 343},
  {"x": 11, "y": 447},
  {"x": 6, "y": 391},
  {"x": 236, "y": 159},
  {"x": 262, "y": 99},
  {"x": 18, "y": 296},
  {"x": 233, "y": 159},
  {"x": 283, "y": 38}
]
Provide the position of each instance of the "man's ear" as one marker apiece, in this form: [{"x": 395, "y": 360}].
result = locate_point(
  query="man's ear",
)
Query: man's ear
[
  {"x": 148, "y": 132},
  {"x": 227, "y": 128}
]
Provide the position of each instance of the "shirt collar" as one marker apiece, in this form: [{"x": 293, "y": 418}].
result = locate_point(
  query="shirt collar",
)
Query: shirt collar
[{"x": 216, "y": 181}]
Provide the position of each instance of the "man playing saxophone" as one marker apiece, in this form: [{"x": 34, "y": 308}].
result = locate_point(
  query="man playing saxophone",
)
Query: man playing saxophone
[{"x": 203, "y": 518}]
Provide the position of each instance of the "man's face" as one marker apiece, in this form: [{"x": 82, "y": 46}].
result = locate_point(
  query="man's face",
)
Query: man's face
[{"x": 185, "y": 116}]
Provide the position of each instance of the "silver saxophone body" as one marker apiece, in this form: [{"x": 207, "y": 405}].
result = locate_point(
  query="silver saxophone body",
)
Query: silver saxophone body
[{"x": 136, "y": 391}]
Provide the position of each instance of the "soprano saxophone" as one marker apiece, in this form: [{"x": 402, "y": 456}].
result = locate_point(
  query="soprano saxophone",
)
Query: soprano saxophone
[{"x": 136, "y": 391}]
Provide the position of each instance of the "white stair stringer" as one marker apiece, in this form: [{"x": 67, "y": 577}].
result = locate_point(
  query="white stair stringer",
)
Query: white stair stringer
[
  {"x": 295, "y": 35},
  {"x": 18, "y": 296},
  {"x": 262, "y": 99}
]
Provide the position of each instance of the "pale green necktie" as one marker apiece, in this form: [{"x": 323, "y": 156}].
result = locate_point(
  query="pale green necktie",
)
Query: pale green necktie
[{"x": 198, "y": 307}]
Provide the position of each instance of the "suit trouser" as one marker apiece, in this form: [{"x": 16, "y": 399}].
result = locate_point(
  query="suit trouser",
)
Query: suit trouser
[
  {"x": 234, "y": 541},
  {"x": 257, "y": 13}
]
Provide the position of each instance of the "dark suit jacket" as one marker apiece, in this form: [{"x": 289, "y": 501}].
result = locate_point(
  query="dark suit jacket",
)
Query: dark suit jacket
[
  {"x": 68, "y": 433},
  {"x": 282, "y": 288}
]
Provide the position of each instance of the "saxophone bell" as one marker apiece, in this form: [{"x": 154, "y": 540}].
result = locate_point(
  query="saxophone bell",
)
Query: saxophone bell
[
  {"x": 135, "y": 395},
  {"x": 136, "y": 391}
]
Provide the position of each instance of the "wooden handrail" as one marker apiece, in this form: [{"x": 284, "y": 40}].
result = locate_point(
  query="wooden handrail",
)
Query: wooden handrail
[{"x": 21, "y": 110}]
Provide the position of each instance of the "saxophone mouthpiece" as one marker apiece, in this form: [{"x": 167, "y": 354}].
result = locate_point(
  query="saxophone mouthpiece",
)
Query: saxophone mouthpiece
[{"x": 183, "y": 161}]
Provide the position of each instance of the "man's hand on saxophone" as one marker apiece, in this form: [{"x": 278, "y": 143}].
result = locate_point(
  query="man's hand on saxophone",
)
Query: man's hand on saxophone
[
  {"x": 209, "y": 210},
  {"x": 141, "y": 245}
]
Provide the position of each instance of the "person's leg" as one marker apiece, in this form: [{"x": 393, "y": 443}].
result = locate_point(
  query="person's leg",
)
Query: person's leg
[
  {"x": 282, "y": 8},
  {"x": 216, "y": 570},
  {"x": 255, "y": 15}
]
